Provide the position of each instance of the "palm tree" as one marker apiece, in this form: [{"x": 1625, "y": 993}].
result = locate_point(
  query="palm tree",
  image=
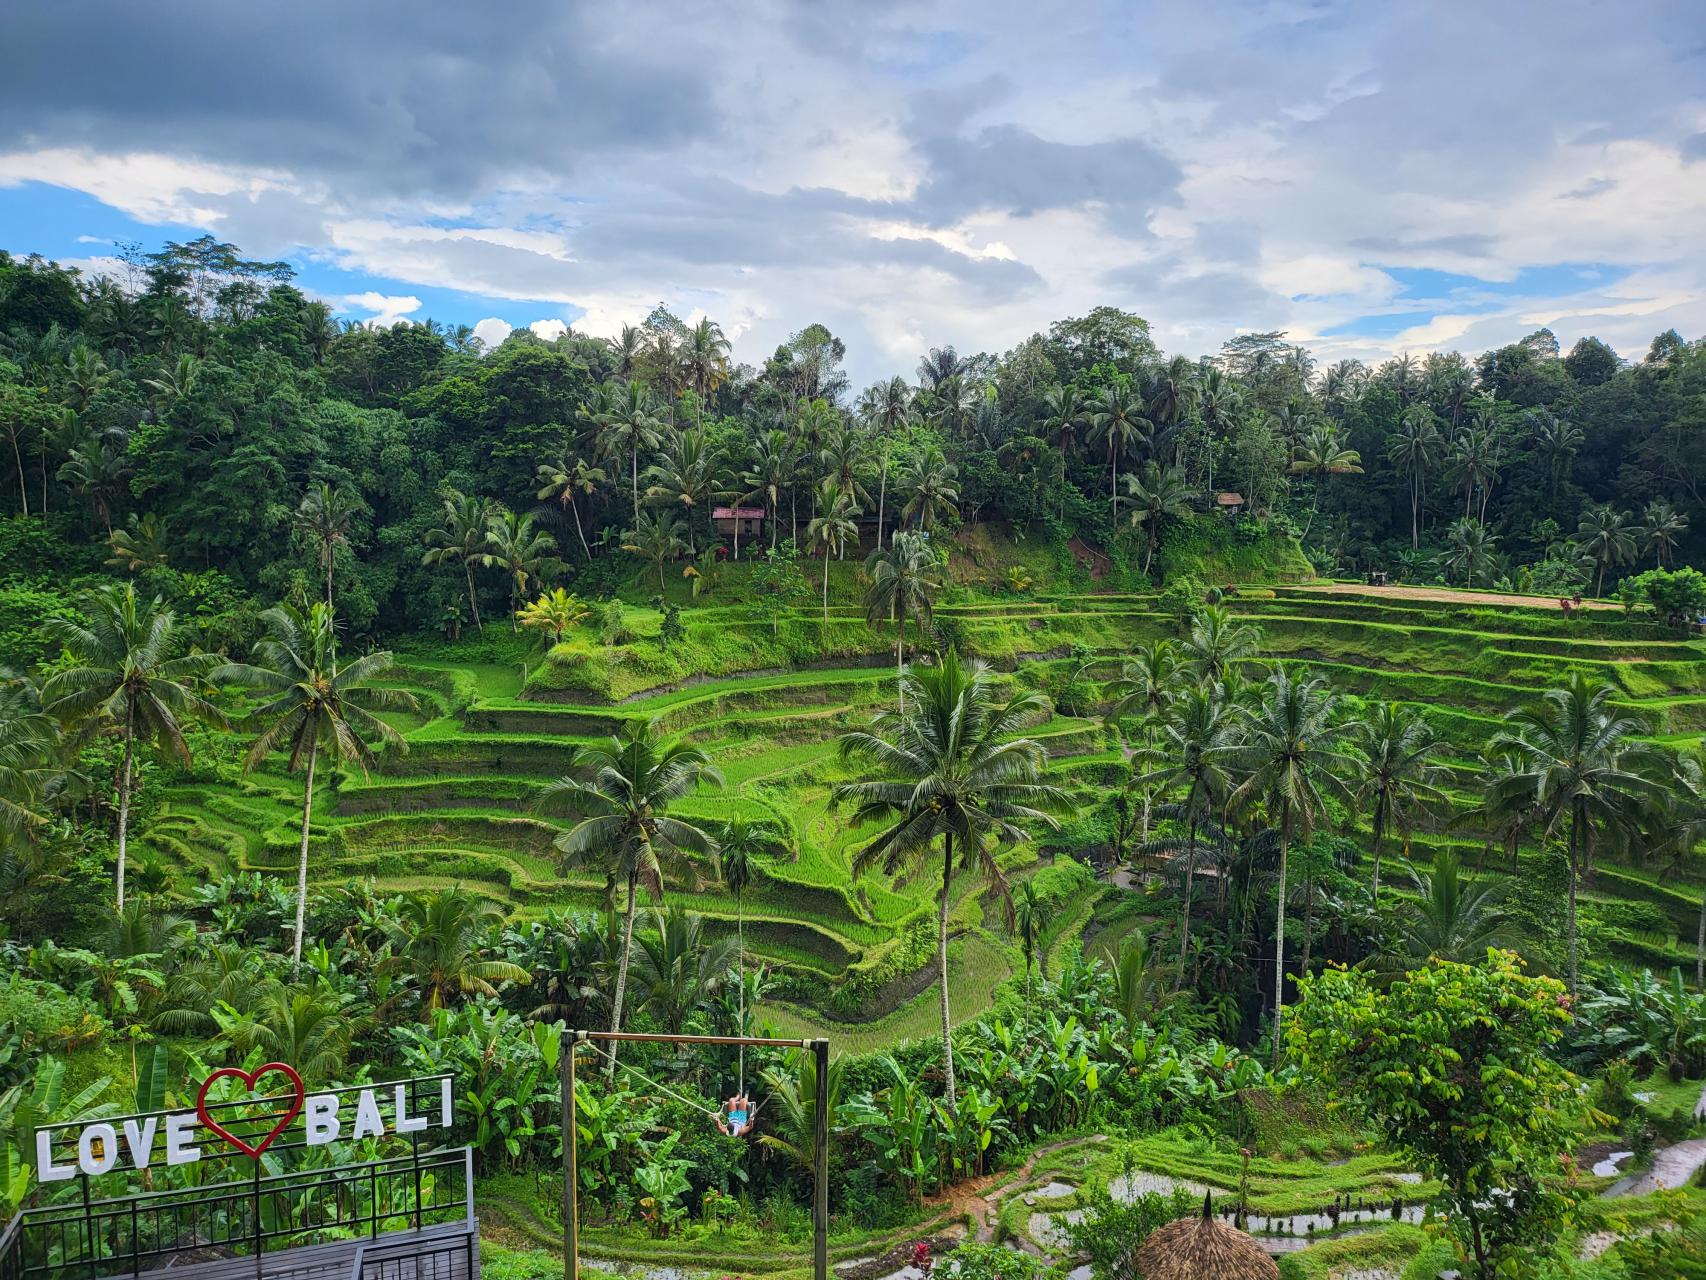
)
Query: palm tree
[
  {"x": 1557, "y": 442},
  {"x": 740, "y": 844},
  {"x": 1116, "y": 418},
  {"x": 620, "y": 794},
  {"x": 932, "y": 483},
  {"x": 1291, "y": 757},
  {"x": 98, "y": 469},
  {"x": 1577, "y": 759},
  {"x": 1452, "y": 918},
  {"x": 567, "y": 480},
  {"x": 1173, "y": 391},
  {"x": 1142, "y": 688},
  {"x": 1218, "y": 402},
  {"x": 1606, "y": 538},
  {"x": 775, "y": 463},
  {"x": 122, "y": 674},
  {"x": 440, "y": 944},
  {"x": 1217, "y": 642},
  {"x": 553, "y": 614},
  {"x": 1064, "y": 415},
  {"x": 1474, "y": 459},
  {"x": 1401, "y": 774},
  {"x": 690, "y": 474},
  {"x": 951, "y": 766},
  {"x": 1471, "y": 550},
  {"x": 310, "y": 1028},
  {"x": 324, "y": 517},
  {"x": 1197, "y": 730},
  {"x": 1322, "y": 454},
  {"x": 1662, "y": 527},
  {"x": 628, "y": 425},
  {"x": 462, "y": 539},
  {"x": 706, "y": 357},
  {"x": 1414, "y": 449},
  {"x": 312, "y": 704},
  {"x": 1029, "y": 922},
  {"x": 523, "y": 551},
  {"x": 678, "y": 969},
  {"x": 627, "y": 349},
  {"x": 905, "y": 578},
  {"x": 1154, "y": 495},
  {"x": 794, "y": 1098},
  {"x": 1141, "y": 981},
  {"x": 831, "y": 528},
  {"x": 656, "y": 539},
  {"x": 29, "y": 737},
  {"x": 141, "y": 545},
  {"x": 842, "y": 459}
]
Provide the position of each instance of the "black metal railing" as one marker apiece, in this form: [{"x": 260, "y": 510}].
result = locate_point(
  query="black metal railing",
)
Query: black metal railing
[
  {"x": 87, "y": 1240},
  {"x": 443, "y": 1260}
]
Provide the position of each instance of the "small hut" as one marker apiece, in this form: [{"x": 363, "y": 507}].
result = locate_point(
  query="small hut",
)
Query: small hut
[{"x": 1199, "y": 1248}]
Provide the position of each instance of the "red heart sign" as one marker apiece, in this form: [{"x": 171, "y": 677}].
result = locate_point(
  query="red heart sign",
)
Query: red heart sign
[{"x": 248, "y": 1078}]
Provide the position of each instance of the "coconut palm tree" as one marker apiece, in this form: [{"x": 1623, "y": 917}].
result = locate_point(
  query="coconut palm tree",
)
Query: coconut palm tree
[
  {"x": 29, "y": 739},
  {"x": 774, "y": 465},
  {"x": 740, "y": 843},
  {"x": 656, "y": 539},
  {"x": 705, "y": 356},
  {"x": 441, "y": 945},
  {"x": 1290, "y": 756},
  {"x": 309, "y": 1027},
  {"x": 462, "y": 539},
  {"x": 1662, "y": 527},
  {"x": 1144, "y": 985},
  {"x": 123, "y": 675},
  {"x": 1472, "y": 550},
  {"x": 1173, "y": 392},
  {"x": 324, "y": 517},
  {"x": 1578, "y": 763},
  {"x": 952, "y": 767},
  {"x": 831, "y": 528},
  {"x": 525, "y": 552},
  {"x": 1218, "y": 403},
  {"x": 1401, "y": 777},
  {"x": 310, "y": 705},
  {"x": 553, "y": 613},
  {"x": 842, "y": 459},
  {"x": 905, "y": 579},
  {"x": 1475, "y": 457},
  {"x": 1414, "y": 449},
  {"x": 1030, "y": 919},
  {"x": 1145, "y": 682},
  {"x": 1555, "y": 441},
  {"x": 98, "y": 469},
  {"x": 568, "y": 480},
  {"x": 1217, "y": 642},
  {"x": 1451, "y": 917},
  {"x": 141, "y": 545},
  {"x": 1156, "y": 494},
  {"x": 1117, "y": 420},
  {"x": 677, "y": 969},
  {"x": 1606, "y": 538},
  {"x": 628, "y": 424},
  {"x": 1322, "y": 454},
  {"x": 932, "y": 485},
  {"x": 620, "y": 792},
  {"x": 690, "y": 474}
]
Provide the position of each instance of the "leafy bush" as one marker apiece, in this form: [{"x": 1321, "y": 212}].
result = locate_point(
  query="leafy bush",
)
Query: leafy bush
[
  {"x": 993, "y": 1262},
  {"x": 1109, "y": 1228},
  {"x": 49, "y": 1018}
]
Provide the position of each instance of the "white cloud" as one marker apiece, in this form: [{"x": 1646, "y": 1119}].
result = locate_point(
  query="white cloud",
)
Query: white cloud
[
  {"x": 492, "y": 331},
  {"x": 550, "y": 330},
  {"x": 385, "y": 310}
]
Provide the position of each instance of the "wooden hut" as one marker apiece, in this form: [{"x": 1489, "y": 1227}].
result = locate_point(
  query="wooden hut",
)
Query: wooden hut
[{"x": 1199, "y": 1248}]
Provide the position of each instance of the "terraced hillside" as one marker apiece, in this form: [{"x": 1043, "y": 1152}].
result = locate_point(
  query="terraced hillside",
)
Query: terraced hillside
[{"x": 456, "y": 808}]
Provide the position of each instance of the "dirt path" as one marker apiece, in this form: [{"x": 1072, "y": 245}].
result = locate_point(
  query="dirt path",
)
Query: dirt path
[
  {"x": 1445, "y": 595},
  {"x": 981, "y": 1199}
]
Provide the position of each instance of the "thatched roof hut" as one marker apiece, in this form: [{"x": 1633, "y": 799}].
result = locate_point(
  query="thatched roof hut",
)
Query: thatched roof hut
[{"x": 1199, "y": 1248}]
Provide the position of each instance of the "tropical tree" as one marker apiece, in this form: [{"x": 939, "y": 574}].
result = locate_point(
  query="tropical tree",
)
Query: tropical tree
[
  {"x": 1117, "y": 420},
  {"x": 656, "y": 539},
  {"x": 1474, "y": 458},
  {"x": 1400, "y": 777},
  {"x": 1290, "y": 755},
  {"x": 309, "y": 1027},
  {"x": 677, "y": 969},
  {"x": 794, "y": 1096},
  {"x": 1143, "y": 984},
  {"x": 141, "y": 545},
  {"x": 553, "y": 613},
  {"x": 311, "y": 704},
  {"x": 931, "y": 484},
  {"x": 832, "y": 527},
  {"x": 567, "y": 481},
  {"x": 1414, "y": 449},
  {"x": 29, "y": 738},
  {"x": 628, "y": 424},
  {"x": 1555, "y": 441},
  {"x": 1217, "y": 642},
  {"x": 1607, "y": 539},
  {"x": 1578, "y": 763},
  {"x": 706, "y": 358},
  {"x": 1145, "y": 683},
  {"x": 905, "y": 579},
  {"x": 1030, "y": 920},
  {"x": 1321, "y": 454},
  {"x": 620, "y": 792},
  {"x": 463, "y": 538},
  {"x": 775, "y": 465},
  {"x": 690, "y": 474},
  {"x": 122, "y": 673},
  {"x": 324, "y": 517},
  {"x": 1451, "y": 916},
  {"x": 1471, "y": 549},
  {"x": 1662, "y": 527},
  {"x": 525, "y": 552},
  {"x": 1156, "y": 494},
  {"x": 953, "y": 766},
  {"x": 740, "y": 843}
]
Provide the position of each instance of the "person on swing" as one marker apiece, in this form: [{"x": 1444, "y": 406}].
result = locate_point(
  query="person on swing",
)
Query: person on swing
[{"x": 736, "y": 1117}]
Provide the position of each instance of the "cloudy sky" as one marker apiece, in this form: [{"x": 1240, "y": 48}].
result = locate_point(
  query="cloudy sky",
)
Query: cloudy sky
[{"x": 1372, "y": 178}]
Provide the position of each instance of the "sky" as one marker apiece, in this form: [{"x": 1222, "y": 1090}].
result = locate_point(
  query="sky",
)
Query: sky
[{"x": 1370, "y": 178}]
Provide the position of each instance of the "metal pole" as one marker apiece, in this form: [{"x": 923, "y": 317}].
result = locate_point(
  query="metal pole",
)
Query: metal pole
[
  {"x": 820, "y": 1172},
  {"x": 259, "y": 1244},
  {"x": 571, "y": 1158},
  {"x": 659, "y": 1038}
]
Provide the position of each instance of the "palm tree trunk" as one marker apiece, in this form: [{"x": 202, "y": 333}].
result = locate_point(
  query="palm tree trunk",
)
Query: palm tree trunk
[
  {"x": 124, "y": 796},
  {"x": 1114, "y": 486},
  {"x": 1308, "y": 918},
  {"x": 942, "y": 969},
  {"x": 1700, "y": 946},
  {"x": 882, "y": 494},
  {"x": 826, "y": 582},
  {"x": 23, "y": 493},
  {"x": 634, "y": 462},
  {"x": 1190, "y": 885},
  {"x": 473, "y": 601},
  {"x": 900, "y": 659},
  {"x": 622, "y": 974},
  {"x": 1148, "y": 755},
  {"x": 1379, "y": 841},
  {"x": 737, "y": 529},
  {"x": 1570, "y": 919},
  {"x": 740, "y": 976},
  {"x": 302, "y": 860},
  {"x": 329, "y": 561},
  {"x": 1279, "y": 929},
  {"x": 575, "y": 510}
]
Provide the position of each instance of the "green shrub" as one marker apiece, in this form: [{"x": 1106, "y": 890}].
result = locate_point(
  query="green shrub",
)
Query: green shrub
[{"x": 48, "y": 1018}]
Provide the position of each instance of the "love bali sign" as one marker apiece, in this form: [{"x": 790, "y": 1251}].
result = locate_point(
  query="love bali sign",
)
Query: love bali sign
[{"x": 378, "y": 1110}]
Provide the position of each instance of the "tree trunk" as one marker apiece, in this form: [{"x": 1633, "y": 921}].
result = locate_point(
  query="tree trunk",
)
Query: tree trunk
[
  {"x": 900, "y": 664},
  {"x": 1308, "y": 918},
  {"x": 473, "y": 602},
  {"x": 740, "y": 976},
  {"x": 1148, "y": 753},
  {"x": 1700, "y": 947},
  {"x": 329, "y": 561},
  {"x": 942, "y": 969},
  {"x": 1190, "y": 884},
  {"x": 882, "y": 494},
  {"x": 302, "y": 860},
  {"x": 23, "y": 493},
  {"x": 622, "y": 975},
  {"x": 1279, "y": 930},
  {"x": 1114, "y": 487},
  {"x": 1379, "y": 841},
  {"x": 634, "y": 463},
  {"x": 124, "y": 796},
  {"x": 826, "y": 582},
  {"x": 1570, "y": 920},
  {"x": 574, "y": 510},
  {"x": 737, "y": 530}
]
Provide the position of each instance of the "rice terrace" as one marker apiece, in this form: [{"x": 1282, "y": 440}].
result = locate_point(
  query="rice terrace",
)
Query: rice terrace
[{"x": 592, "y": 686}]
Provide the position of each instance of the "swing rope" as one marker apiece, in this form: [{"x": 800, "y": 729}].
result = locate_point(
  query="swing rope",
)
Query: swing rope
[
  {"x": 740, "y": 977},
  {"x": 664, "y": 1088}
]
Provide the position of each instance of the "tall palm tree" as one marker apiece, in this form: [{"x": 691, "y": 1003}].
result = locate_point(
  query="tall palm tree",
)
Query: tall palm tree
[
  {"x": 1290, "y": 755},
  {"x": 905, "y": 579},
  {"x": 324, "y": 517},
  {"x": 567, "y": 480},
  {"x": 98, "y": 469},
  {"x": 440, "y": 943},
  {"x": 1217, "y": 642},
  {"x": 1451, "y": 917},
  {"x": 141, "y": 545},
  {"x": 831, "y": 528},
  {"x": 740, "y": 843},
  {"x": 1197, "y": 728},
  {"x": 1606, "y": 538},
  {"x": 1662, "y": 527},
  {"x": 932, "y": 485},
  {"x": 1173, "y": 391},
  {"x": 462, "y": 539},
  {"x": 1401, "y": 775},
  {"x": 1474, "y": 459},
  {"x": 1156, "y": 494},
  {"x": 678, "y": 969},
  {"x": 311, "y": 704},
  {"x": 1145, "y": 682},
  {"x": 690, "y": 473},
  {"x": 1117, "y": 420},
  {"x": 1471, "y": 549},
  {"x": 627, "y": 350},
  {"x": 525, "y": 552},
  {"x": 629, "y": 424},
  {"x": 886, "y": 407},
  {"x": 1218, "y": 403},
  {"x": 29, "y": 738},
  {"x": 842, "y": 459},
  {"x": 656, "y": 539},
  {"x": 1414, "y": 449},
  {"x": 1555, "y": 441},
  {"x": 774, "y": 464},
  {"x": 620, "y": 792},
  {"x": 1579, "y": 762},
  {"x": 123, "y": 674},
  {"x": 1065, "y": 414},
  {"x": 1321, "y": 454},
  {"x": 706, "y": 357},
  {"x": 1030, "y": 920},
  {"x": 951, "y": 767}
]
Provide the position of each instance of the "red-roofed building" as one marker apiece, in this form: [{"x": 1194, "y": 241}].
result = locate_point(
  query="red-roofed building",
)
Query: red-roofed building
[{"x": 749, "y": 520}]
